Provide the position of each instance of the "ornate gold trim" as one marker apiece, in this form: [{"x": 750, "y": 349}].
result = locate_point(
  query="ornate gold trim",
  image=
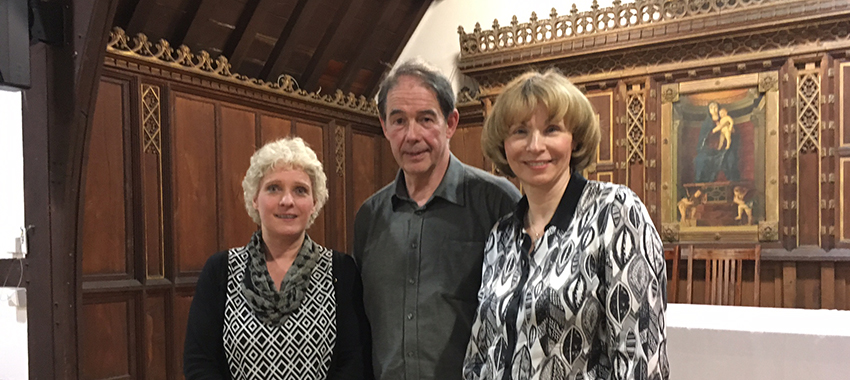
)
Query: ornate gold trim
[
  {"x": 339, "y": 151},
  {"x": 635, "y": 128},
  {"x": 677, "y": 59},
  {"x": 150, "y": 97},
  {"x": 808, "y": 126},
  {"x": 151, "y": 119},
  {"x": 669, "y": 93},
  {"x": 771, "y": 160},
  {"x": 769, "y": 81},
  {"x": 202, "y": 63},
  {"x": 597, "y": 21},
  {"x": 670, "y": 232},
  {"x": 769, "y": 230}
]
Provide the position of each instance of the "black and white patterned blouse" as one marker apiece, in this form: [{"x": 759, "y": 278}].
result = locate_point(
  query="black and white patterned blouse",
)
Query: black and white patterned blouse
[{"x": 587, "y": 302}]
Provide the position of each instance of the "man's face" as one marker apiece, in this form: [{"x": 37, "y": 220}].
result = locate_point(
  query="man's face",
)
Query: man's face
[{"x": 415, "y": 127}]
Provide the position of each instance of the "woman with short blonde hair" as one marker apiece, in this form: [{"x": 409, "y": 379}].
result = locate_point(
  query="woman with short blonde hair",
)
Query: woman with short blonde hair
[{"x": 282, "y": 306}]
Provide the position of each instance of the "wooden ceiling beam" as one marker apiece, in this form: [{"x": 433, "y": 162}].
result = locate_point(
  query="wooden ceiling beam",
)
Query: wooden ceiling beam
[
  {"x": 197, "y": 13},
  {"x": 240, "y": 41},
  {"x": 331, "y": 42},
  {"x": 411, "y": 20},
  {"x": 297, "y": 13},
  {"x": 194, "y": 23},
  {"x": 139, "y": 20},
  {"x": 366, "y": 49}
]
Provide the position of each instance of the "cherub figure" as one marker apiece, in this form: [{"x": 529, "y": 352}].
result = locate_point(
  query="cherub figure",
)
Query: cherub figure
[
  {"x": 688, "y": 207},
  {"x": 744, "y": 207},
  {"x": 725, "y": 126}
]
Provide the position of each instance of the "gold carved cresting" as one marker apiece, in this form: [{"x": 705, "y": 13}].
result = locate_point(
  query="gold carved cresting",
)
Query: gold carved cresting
[
  {"x": 577, "y": 24},
  {"x": 183, "y": 59}
]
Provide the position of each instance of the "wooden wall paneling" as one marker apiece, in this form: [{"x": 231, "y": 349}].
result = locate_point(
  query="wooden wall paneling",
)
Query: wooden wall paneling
[
  {"x": 388, "y": 165},
  {"x": 473, "y": 144},
  {"x": 154, "y": 340},
  {"x": 828, "y": 143},
  {"x": 635, "y": 137},
  {"x": 338, "y": 188},
  {"x": 365, "y": 178},
  {"x": 194, "y": 177},
  {"x": 236, "y": 143},
  {"x": 182, "y": 301},
  {"x": 842, "y": 151},
  {"x": 466, "y": 146},
  {"x": 778, "y": 284},
  {"x": 842, "y": 281},
  {"x": 109, "y": 340},
  {"x": 148, "y": 148},
  {"x": 106, "y": 247},
  {"x": 314, "y": 136},
  {"x": 603, "y": 105},
  {"x": 808, "y": 126},
  {"x": 652, "y": 151},
  {"x": 273, "y": 128},
  {"x": 844, "y": 103},
  {"x": 620, "y": 140},
  {"x": 844, "y": 202},
  {"x": 788, "y": 165},
  {"x": 457, "y": 144},
  {"x": 767, "y": 288},
  {"x": 808, "y": 285},
  {"x": 827, "y": 285},
  {"x": 789, "y": 284}
]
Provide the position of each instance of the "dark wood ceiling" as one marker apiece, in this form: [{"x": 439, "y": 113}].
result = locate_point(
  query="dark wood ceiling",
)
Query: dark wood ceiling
[{"x": 327, "y": 44}]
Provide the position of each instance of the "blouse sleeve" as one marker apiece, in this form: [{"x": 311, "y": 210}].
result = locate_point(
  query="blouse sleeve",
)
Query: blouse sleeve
[
  {"x": 203, "y": 350},
  {"x": 635, "y": 305},
  {"x": 352, "y": 357}
]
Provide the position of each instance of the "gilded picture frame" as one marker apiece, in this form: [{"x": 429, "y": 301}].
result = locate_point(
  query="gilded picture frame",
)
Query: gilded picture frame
[{"x": 720, "y": 152}]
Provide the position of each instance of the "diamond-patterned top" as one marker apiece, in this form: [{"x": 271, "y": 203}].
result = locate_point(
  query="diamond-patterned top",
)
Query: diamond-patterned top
[{"x": 301, "y": 349}]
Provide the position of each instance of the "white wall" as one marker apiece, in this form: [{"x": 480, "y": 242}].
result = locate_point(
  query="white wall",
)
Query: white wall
[
  {"x": 436, "y": 39},
  {"x": 13, "y": 320}
]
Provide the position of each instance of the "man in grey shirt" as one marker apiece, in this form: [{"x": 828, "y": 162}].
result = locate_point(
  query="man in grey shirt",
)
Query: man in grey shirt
[{"x": 419, "y": 241}]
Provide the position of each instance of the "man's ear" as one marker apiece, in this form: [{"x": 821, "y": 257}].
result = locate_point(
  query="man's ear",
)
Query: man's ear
[{"x": 451, "y": 123}]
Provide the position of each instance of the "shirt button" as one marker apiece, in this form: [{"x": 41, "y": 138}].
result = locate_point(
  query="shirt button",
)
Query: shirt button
[
  {"x": 409, "y": 316},
  {"x": 411, "y": 281},
  {"x": 418, "y": 212},
  {"x": 410, "y": 354},
  {"x": 413, "y": 245}
]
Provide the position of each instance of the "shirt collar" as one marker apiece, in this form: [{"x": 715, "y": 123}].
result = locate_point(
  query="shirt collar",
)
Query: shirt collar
[
  {"x": 451, "y": 187},
  {"x": 566, "y": 207}
]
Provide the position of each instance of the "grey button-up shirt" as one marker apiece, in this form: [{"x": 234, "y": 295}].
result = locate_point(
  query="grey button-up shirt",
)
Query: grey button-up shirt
[{"x": 421, "y": 269}]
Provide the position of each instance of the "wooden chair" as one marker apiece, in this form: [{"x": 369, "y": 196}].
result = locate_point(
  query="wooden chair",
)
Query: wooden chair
[
  {"x": 674, "y": 256},
  {"x": 724, "y": 273}
]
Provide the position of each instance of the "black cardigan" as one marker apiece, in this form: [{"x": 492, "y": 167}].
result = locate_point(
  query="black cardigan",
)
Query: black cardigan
[{"x": 203, "y": 351}]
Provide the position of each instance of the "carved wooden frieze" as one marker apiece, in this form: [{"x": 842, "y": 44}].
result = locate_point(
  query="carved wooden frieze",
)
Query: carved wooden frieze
[
  {"x": 747, "y": 35},
  {"x": 183, "y": 60}
]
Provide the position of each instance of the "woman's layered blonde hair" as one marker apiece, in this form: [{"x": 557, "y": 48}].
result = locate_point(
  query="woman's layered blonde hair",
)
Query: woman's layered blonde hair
[
  {"x": 291, "y": 152},
  {"x": 561, "y": 99}
]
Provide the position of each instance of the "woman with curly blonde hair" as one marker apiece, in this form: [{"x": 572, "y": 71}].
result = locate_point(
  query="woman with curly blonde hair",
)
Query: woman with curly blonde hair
[{"x": 282, "y": 306}]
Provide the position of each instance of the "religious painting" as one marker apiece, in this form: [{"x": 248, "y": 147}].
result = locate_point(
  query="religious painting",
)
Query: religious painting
[{"x": 720, "y": 147}]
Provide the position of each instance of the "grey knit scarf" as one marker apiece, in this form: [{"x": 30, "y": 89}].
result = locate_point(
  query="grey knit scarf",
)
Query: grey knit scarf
[{"x": 272, "y": 307}]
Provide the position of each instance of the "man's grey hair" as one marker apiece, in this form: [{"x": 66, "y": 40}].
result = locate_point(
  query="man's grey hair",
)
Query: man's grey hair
[{"x": 429, "y": 75}]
